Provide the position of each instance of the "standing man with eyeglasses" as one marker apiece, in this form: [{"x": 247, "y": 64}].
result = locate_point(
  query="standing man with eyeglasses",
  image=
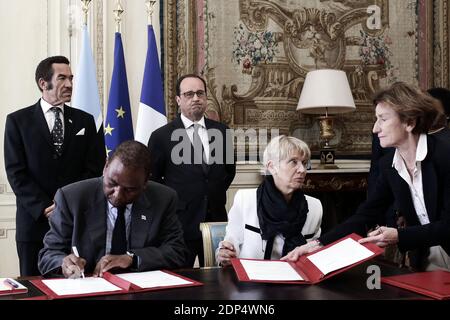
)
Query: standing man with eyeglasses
[
  {"x": 195, "y": 156},
  {"x": 47, "y": 146}
]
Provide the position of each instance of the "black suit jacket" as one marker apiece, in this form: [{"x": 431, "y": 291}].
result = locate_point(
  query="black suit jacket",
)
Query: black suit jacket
[
  {"x": 35, "y": 172},
  {"x": 391, "y": 188},
  {"x": 377, "y": 153},
  {"x": 156, "y": 236},
  {"x": 443, "y": 134},
  {"x": 202, "y": 195}
]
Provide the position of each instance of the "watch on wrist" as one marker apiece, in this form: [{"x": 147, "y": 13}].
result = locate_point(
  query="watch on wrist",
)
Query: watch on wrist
[{"x": 133, "y": 259}]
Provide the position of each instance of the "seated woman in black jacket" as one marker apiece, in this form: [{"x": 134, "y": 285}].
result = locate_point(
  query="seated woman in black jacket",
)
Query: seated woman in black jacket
[{"x": 416, "y": 178}]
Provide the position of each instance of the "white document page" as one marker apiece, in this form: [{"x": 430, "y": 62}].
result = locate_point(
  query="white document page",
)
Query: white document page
[
  {"x": 340, "y": 255},
  {"x": 152, "y": 279},
  {"x": 64, "y": 287},
  {"x": 270, "y": 270}
]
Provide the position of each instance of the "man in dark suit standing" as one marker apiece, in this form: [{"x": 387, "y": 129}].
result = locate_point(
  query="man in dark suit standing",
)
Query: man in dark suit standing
[
  {"x": 118, "y": 221},
  {"x": 194, "y": 156},
  {"x": 47, "y": 146}
]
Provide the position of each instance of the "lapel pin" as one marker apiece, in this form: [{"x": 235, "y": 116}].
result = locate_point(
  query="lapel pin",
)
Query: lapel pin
[
  {"x": 70, "y": 120},
  {"x": 143, "y": 217}
]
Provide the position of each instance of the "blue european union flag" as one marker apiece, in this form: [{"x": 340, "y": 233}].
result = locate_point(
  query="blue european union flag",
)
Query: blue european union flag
[{"x": 118, "y": 122}]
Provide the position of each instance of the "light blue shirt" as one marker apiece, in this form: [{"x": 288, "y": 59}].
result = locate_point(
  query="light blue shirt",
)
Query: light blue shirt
[{"x": 112, "y": 216}]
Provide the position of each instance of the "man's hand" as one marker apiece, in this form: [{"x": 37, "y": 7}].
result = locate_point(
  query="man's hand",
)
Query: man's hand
[
  {"x": 301, "y": 250},
  {"x": 49, "y": 210},
  {"x": 382, "y": 237},
  {"x": 72, "y": 266},
  {"x": 111, "y": 261},
  {"x": 226, "y": 252}
]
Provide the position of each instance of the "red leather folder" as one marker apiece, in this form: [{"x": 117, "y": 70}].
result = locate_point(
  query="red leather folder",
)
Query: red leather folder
[
  {"x": 125, "y": 286},
  {"x": 8, "y": 289},
  {"x": 434, "y": 284},
  {"x": 305, "y": 268},
  {"x": 14, "y": 291}
]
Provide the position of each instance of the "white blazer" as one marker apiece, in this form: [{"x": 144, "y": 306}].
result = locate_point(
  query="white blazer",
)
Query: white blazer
[{"x": 243, "y": 226}]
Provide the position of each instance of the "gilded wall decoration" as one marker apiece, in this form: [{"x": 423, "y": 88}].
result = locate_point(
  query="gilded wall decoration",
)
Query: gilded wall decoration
[{"x": 256, "y": 54}]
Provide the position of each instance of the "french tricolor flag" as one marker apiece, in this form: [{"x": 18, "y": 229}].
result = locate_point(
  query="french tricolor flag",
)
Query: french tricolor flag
[{"x": 152, "y": 110}]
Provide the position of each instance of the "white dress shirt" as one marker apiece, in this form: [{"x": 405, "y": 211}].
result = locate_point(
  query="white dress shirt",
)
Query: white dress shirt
[
  {"x": 50, "y": 115},
  {"x": 202, "y": 132},
  {"x": 415, "y": 182}
]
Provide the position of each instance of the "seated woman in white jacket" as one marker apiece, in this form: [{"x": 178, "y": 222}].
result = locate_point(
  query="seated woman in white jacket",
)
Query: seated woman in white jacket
[{"x": 273, "y": 219}]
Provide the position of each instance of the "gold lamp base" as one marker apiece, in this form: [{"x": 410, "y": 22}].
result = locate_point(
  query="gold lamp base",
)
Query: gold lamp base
[{"x": 327, "y": 154}]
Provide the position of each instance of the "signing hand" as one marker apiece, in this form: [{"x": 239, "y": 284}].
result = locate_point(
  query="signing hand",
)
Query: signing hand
[
  {"x": 111, "y": 261},
  {"x": 49, "y": 210},
  {"x": 72, "y": 266},
  {"x": 382, "y": 237},
  {"x": 226, "y": 252}
]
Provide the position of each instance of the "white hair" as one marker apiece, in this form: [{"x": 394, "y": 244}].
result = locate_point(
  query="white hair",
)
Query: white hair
[{"x": 281, "y": 147}]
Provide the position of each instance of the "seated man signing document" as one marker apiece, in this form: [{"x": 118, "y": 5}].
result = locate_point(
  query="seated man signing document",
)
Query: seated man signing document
[{"x": 118, "y": 221}]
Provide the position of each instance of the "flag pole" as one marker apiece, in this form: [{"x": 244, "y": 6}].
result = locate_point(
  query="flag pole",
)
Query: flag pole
[
  {"x": 85, "y": 8},
  {"x": 150, "y": 9},
  {"x": 118, "y": 16}
]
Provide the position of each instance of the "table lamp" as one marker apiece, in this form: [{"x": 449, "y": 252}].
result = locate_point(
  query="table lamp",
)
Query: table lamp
[{"x": 326, "y": 92}]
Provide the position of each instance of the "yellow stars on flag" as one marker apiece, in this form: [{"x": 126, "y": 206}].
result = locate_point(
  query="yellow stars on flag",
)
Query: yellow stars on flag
[
  {"x": 107, "y": 151},
  {"x": 120, "y": 112},
  {"x": 108, "y": 130}
]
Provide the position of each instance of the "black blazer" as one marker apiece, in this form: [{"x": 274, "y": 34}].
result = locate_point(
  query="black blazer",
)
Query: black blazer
[
  {"x": 377, "y": 153},
  {"x": 391, "y": 188},
  {"x": 202, "y": 195},
  {"x": 35, "y": 172}
]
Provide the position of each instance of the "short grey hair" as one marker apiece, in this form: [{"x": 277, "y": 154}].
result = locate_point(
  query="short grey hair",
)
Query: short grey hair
[{"x": 281, "y": 147}]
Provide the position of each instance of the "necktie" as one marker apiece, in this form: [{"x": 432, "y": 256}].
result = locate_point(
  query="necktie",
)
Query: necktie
[
  {"x": 119, "y": 237},
  {"x": 198, "y": 146},
  {"x": 57, "y": 132},
  {"x": 199, "y": 151}
]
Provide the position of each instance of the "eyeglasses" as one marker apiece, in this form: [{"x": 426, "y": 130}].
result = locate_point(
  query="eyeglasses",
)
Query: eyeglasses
[
  {"x": 190, "y": 94},
  {"x": 308, "y": 165}
]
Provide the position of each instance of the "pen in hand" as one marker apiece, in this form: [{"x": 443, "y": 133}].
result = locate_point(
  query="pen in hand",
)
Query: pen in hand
[{"x": 75, "y": 252}]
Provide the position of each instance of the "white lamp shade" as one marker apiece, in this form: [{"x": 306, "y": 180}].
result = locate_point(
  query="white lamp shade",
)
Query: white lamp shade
[{"x": 326, "y": 90}]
